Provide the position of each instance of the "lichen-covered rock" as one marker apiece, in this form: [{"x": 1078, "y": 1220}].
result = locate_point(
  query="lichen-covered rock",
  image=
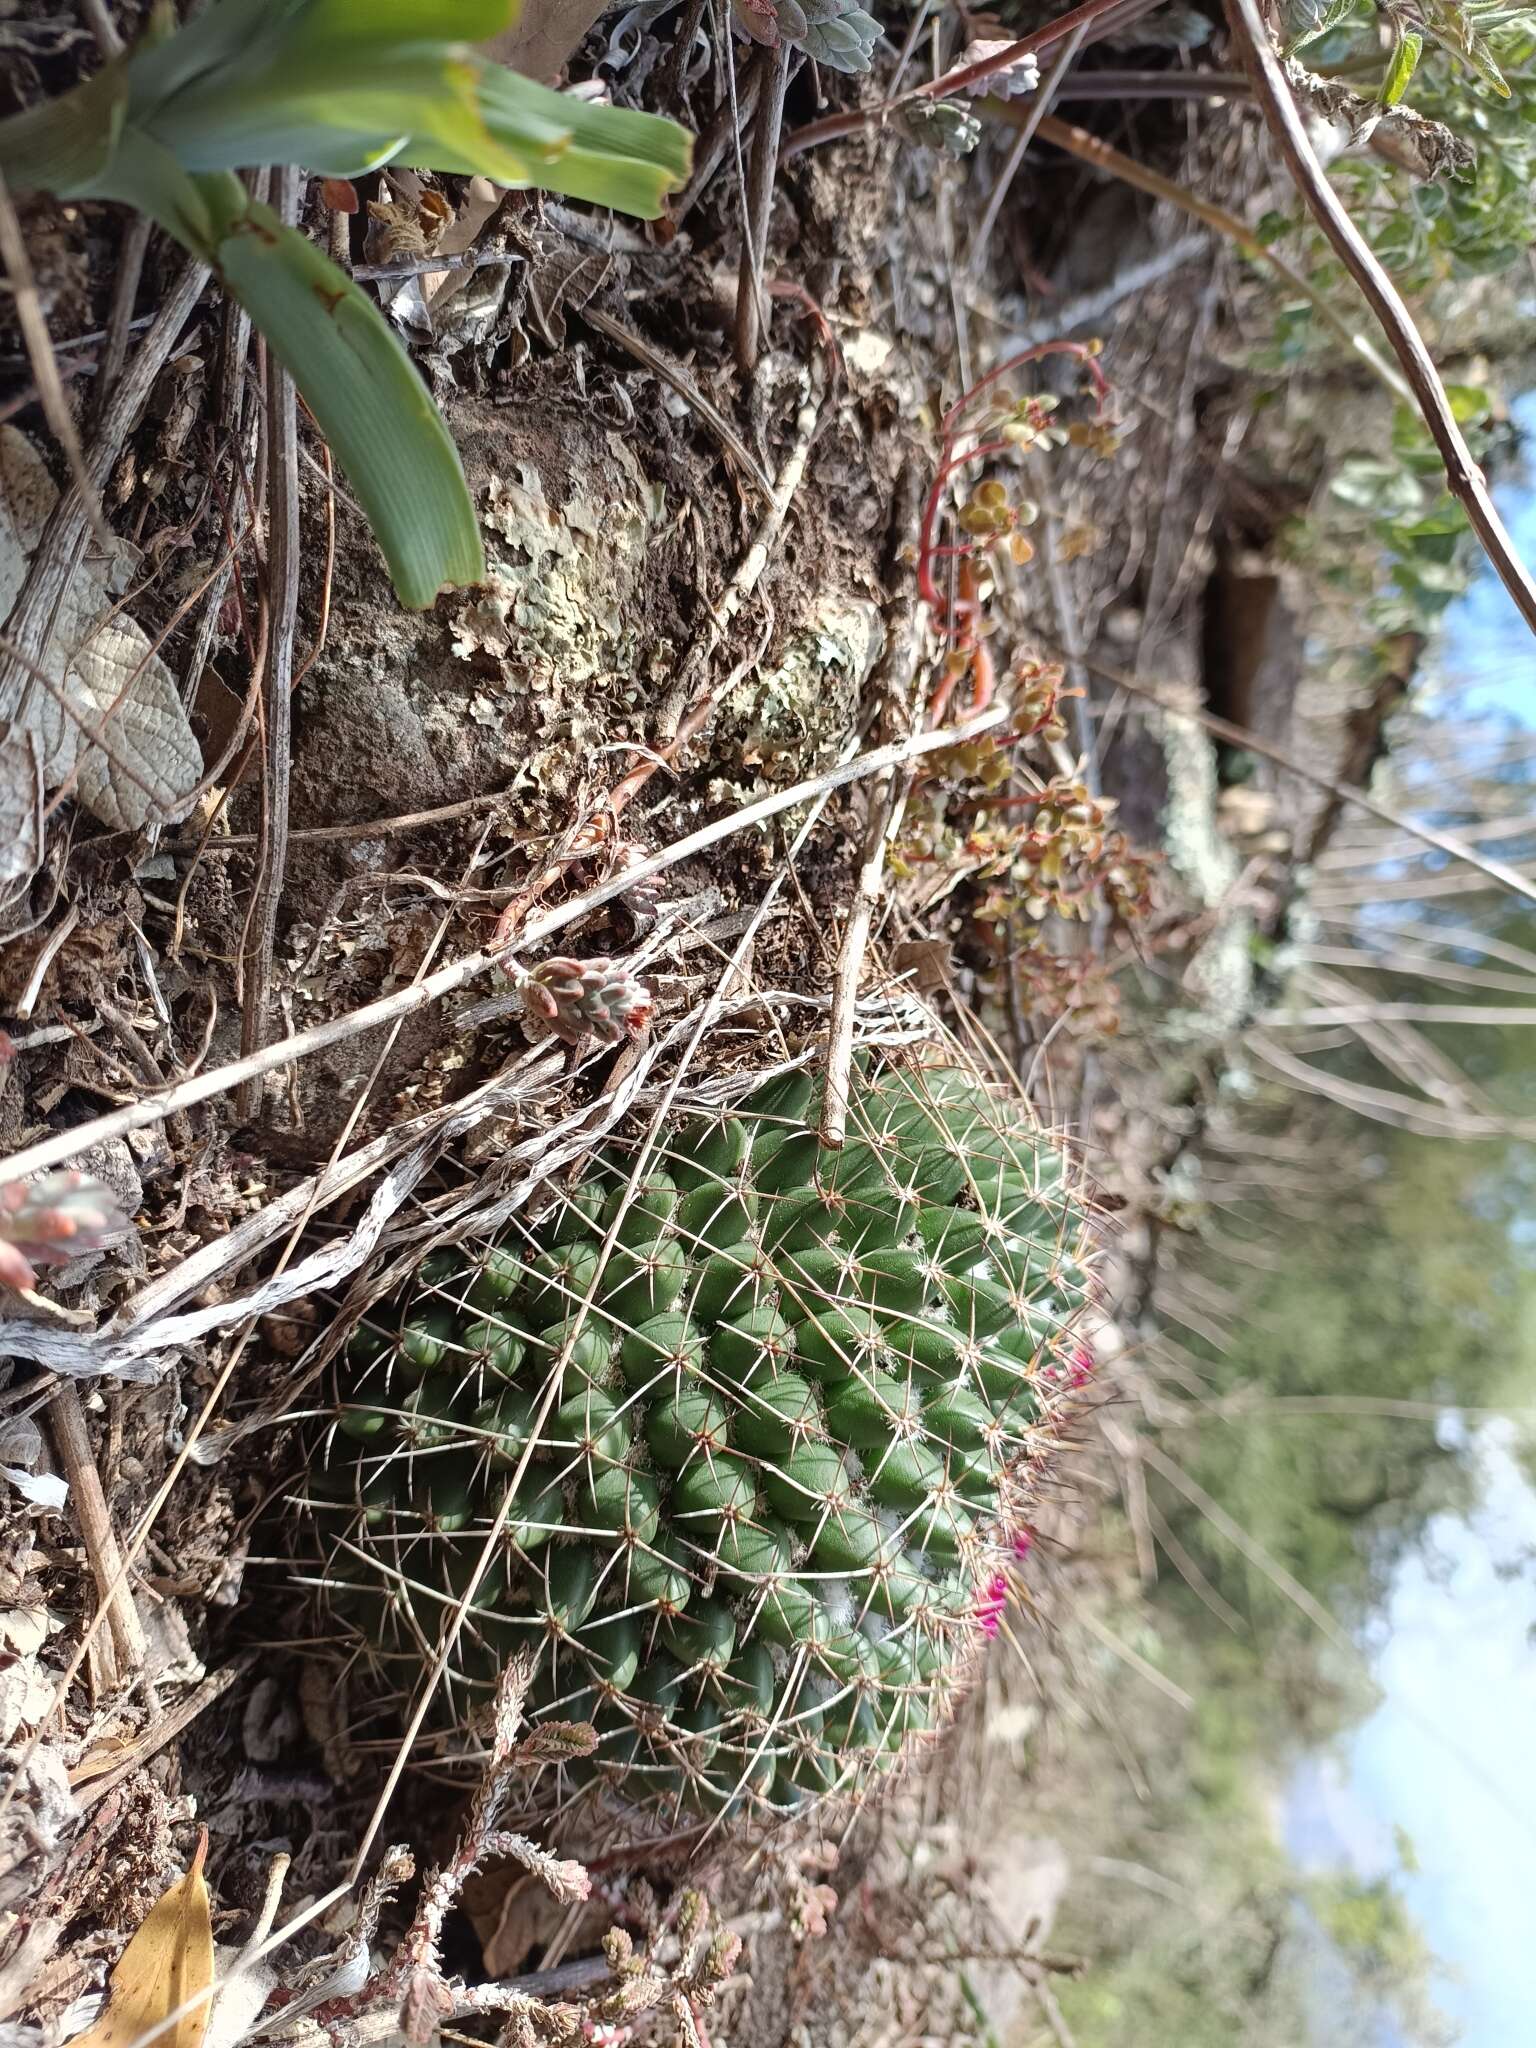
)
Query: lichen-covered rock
[{"x": 735, "y": 1424}]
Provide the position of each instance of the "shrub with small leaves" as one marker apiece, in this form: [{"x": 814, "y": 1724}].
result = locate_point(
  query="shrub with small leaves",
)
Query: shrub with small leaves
[{"x": 731, "y": 1428}]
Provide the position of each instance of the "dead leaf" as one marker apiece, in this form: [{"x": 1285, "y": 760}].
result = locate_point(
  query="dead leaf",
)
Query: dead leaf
[
  {"x": 21, "y": 805},
  {"x": 930, "y": 962},
  {"x": 109, "y": 679},
  {"x": 167, "y": 1962}
]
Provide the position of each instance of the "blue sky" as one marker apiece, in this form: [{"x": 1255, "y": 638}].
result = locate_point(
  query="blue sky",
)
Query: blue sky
[
  {"x": 1449, "y": 1754},
  {"x": 1487, "y": 658}
]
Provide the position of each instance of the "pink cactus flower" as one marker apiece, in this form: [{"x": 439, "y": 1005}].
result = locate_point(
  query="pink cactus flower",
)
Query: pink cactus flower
[{"x": 992, "y": 1605}]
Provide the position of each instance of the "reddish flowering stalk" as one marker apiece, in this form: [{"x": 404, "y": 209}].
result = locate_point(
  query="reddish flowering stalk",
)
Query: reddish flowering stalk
[
  {"x": 1023, "y": 1543},
  {"x": 958, "y": 615}
]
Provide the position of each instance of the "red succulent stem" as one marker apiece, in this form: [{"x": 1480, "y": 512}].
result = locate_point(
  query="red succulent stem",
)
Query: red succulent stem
[{"x": 956, "y": 617}]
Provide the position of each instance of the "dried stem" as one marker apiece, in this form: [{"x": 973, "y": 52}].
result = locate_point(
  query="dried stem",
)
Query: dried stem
[
  {"x": 773, "y": 69},
  {"x": 101, "y": 25},
  {"x": 125, "y": 289},
  {"x": 961, "y": 79},
  {"x": 1090, "y": 150},
  {"x": 419, "y": 995},
  {"x": 1039, "y": 106},
  {"x": 282, "y": 597},
  {"x": 669, "y": 373},
  {"x": 96, "y": 1531},
  {"x": 1465, "y": 479}
]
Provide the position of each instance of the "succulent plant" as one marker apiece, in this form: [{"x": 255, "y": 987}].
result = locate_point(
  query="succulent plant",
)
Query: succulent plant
[
  {"x": 574, "y": 997},
  {"x": 736, "y": 1428},
  {"x": 49, "y": 1221}
]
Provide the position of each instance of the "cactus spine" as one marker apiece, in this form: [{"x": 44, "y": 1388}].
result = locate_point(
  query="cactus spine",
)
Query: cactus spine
[{"x": 738, "y": 1431}]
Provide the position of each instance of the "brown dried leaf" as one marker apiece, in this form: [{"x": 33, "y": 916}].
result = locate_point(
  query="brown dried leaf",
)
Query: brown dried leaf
[
  {"x": 107, "y": 678},
  {"x": 167, "y": 1962}
]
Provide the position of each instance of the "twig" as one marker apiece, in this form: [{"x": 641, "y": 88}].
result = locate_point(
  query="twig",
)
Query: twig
[
  {"x": 669, "y": 373},
  {"x": 960, "y": 79},
  {"x": 406, "y": 1001},
  {"x": 96, "y": 1531},
  {"x": 1039, "y": 106},
  {"x": 773, "y": 67},
  {"x": 1079, "y": 143},
  {"x": 120, "y": 320},
  {"x": 101, "y": 25},
  {"x": 710, "y": 151},
  {"x": 1239, "y": 736},
  {"x": 1387, "y": 1105},
  {"x": 45, "y": 368},
  {"x": 1466, "y": 480},
  {"x": 282, "y": 429},
  {"x": 1154, "y": 85}
]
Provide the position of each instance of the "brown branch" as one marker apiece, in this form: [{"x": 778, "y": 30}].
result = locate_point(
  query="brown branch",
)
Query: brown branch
[
  {"x": 1090, "y": 149},
  {"x": 663, "y": 367},
  {"x": 1466, "y": 480},
  {"x": 96, "y": 1531},
  {"x": 282, "y": 597},
  {"x": 773, "y": 67},
  {"x": 961, "y": 79}
]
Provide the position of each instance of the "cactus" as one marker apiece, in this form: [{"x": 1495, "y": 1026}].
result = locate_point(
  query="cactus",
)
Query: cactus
[{"x": 739, "y": 1431}]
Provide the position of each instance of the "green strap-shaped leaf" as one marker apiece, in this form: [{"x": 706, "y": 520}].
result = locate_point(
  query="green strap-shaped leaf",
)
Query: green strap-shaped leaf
[{"x": 367, "y": 400}]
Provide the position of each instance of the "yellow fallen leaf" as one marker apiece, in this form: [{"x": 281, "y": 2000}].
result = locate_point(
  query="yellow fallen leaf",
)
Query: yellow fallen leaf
[{"x": 167, "y": 1962}]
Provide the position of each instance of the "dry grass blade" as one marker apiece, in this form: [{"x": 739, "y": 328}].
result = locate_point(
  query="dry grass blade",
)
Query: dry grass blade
[
  {"x": 45, "y": 368},
  {"x": 403, "y": 1002}
]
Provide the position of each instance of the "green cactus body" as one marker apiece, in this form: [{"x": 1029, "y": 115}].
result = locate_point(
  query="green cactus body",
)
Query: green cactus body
[{"x": 734, "y": 1444}]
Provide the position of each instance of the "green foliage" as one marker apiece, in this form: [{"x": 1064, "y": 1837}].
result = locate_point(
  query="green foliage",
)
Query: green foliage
[
  {"x": 736, "y": 1436},
  {"x": 340, "y": 86},
  {"x": 1474, "y": 34},
  {"x": 1468, "y": 68},
  {"x": 1402, "y": 503}
]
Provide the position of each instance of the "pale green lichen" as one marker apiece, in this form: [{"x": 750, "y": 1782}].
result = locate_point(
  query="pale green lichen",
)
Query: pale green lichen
[
  {"x": 1221, "y": 974},
  {"x": 783, "y": 723}
]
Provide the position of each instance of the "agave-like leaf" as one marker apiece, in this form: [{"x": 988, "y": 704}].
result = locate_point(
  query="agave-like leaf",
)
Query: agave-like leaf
[
  {"x": 340, "y": 86},
  {"x": 366, "y": 396},
  {"x": 344, "y": 86}
]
